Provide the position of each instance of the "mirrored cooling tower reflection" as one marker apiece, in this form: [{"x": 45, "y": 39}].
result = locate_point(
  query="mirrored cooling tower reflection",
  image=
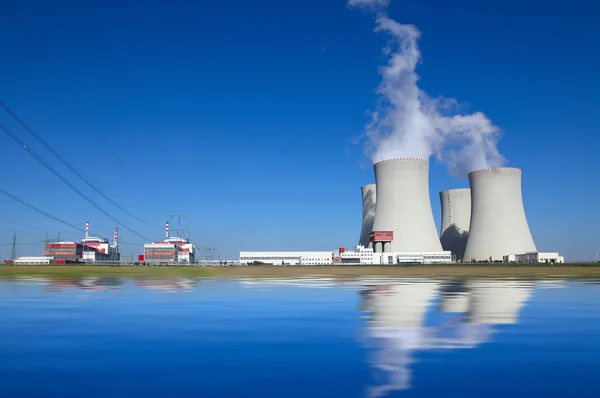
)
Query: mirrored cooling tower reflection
[{"x": 397, "y": 328}]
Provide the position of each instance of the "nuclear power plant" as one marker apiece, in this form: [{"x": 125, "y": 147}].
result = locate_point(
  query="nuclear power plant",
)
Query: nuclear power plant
[
  {"x": 456, "y": 217},
  {"x": 483, "y": 223}
]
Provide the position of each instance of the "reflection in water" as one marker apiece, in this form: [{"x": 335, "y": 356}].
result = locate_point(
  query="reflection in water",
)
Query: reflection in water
[
  {"x": 170, "y": 285},
  {"x": 396, "y": 325},
  {"x": 85, "y": 283}
]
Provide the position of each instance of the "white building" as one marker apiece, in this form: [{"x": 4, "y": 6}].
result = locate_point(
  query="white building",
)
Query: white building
[
  {"x": 367, "y": 256},
  {"x": 535, "y": 257},
  {"x": 286, "y": 258},
  {"x": 34, "y": 260}
]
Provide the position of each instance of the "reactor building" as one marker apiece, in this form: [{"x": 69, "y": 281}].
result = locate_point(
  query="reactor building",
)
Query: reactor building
[
  {"x": 89, "y": 250},
  {"x": 369, "y": 202},
  {"x": 168, "y": 251},
  {"x": 403, "y": 217},
  {"x": 456, "y": 217},
  {"x": 498, "y": 224}
]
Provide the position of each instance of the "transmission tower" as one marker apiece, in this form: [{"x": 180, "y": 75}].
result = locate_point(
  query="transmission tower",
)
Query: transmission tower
[
  {"x": 13, "y": 254},
  {"x": 180, "y": 226}
]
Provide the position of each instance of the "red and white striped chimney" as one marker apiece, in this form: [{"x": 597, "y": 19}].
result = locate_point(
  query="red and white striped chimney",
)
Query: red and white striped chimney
[
  {"x": 167, "y": 229},
  {"x": 116, "y": 237},
  {"x": 87, "y": 229}
]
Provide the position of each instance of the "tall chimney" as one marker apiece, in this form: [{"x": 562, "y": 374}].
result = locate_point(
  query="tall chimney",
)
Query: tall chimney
[
  {"x": 167, "y": 230},
  {"x": 87, "y": 229}
]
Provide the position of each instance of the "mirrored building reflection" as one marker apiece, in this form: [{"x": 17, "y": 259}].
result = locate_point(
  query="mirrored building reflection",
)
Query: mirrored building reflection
[
  {"x": 91, "y": 283},
  {"x": 168, "y": 285},
  {"x": 397, "y": 326}
]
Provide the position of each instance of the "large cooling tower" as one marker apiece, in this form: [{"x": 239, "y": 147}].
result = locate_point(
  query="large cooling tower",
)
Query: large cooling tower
[
  {"x": 368, "y": 213},
  {"x": 404, "y": 207},
  {"x": 498, "y": 223},
  {"x": 456, "y": 217}
]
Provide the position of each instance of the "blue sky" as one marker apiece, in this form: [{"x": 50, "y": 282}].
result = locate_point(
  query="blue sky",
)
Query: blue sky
[{"x": 243, "y": 115}]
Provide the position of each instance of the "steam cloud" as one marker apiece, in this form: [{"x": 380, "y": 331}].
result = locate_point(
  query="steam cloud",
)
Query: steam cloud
[{"x": 408, "y": 123}]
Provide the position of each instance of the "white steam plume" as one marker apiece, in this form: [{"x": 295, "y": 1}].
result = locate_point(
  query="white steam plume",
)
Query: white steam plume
[{"x": 408, "y": 123}]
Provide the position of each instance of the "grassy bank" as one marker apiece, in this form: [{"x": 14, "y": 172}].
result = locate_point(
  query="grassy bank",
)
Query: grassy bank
[{"x": 562, "y": 271}]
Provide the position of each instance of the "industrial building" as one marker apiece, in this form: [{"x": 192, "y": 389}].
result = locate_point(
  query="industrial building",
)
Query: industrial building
[
  {"x": 367, "y": 256},
  {"x": 498, "y": 224},
  {"x": 403, "y": 216},
  {"x": 286, "y": 258},
  {"x": 456, "y": 217},
  {"x": 33, "y": 260},
  {"x": 89, "y": 250},
  {"x": 535, "y": 257},
  {"x": 169, "y": 251}
]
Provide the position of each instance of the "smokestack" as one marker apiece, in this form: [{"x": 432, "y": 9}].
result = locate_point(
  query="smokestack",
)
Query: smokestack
[
  {"x": 116, "y": 238},
  {"x": 368, "y": 213},
  {"x": 498, "y": 222},
  {"x": 87, "y": 229},
  {"x": 167, "y": 230},
  {"x": 404, "y": 207},
  {"x": 456, "y": 217}
]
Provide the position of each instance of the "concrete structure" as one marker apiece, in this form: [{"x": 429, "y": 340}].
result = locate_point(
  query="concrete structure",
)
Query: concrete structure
[
  {"x": 367, "y": 256},
  {"x": 34, "y": 260},
  {"x": 286, "y": 258},
  {"x": 535, "y": 257},
  {"x": 404, "y": 208},
  {"x": 456, "y": 217},
  {"x": 369, "y": 200},
  {"x": 498, "y": 224}
]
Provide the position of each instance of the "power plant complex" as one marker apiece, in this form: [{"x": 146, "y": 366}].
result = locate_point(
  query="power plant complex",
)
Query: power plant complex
[{"x": 483, "y": 223}]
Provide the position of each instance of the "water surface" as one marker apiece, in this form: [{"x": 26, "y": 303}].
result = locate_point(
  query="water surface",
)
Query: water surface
[{"x": 307, "y": 337}]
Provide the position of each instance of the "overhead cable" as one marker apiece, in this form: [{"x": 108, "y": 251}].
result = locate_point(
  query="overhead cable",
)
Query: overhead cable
[
  {"x": 19, "y": 141},
  {"x": 69, "y": 165}
]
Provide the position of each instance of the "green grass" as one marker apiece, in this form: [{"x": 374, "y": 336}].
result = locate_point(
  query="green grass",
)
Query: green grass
[
  {"x": 459, "y": 271},
  {"x": 102, "y": 270}
]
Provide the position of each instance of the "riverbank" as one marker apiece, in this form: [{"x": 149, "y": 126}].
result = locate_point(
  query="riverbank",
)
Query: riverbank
[{"x": 518, "y": 271}]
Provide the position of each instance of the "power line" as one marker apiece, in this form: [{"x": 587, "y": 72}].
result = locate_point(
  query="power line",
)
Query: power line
[
  {"x": 35, "y": 209},
  {"x": 116, "y": 156},
  {"x": 63, "y": 179},
  {"x": 71, "y": 167}
]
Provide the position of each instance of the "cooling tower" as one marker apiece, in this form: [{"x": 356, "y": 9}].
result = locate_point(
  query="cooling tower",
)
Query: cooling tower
[
  {"x": 368, "y": 213},
  {"x": 404, "y": 208},
  {"x": 456, "y": 217},
  {"x": 498, "y": 223}
]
